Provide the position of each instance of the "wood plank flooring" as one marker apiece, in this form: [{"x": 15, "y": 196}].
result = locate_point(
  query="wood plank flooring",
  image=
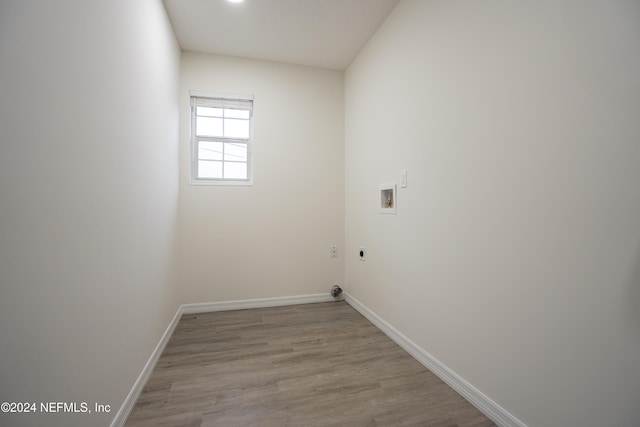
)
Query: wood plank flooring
[{"x": 304, "y": 365}]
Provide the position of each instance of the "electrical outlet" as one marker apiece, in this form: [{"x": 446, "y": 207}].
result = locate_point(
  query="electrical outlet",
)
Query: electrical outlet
[
  {"x": 362, "y": 253},
  {"x": 333, "y": 251}
]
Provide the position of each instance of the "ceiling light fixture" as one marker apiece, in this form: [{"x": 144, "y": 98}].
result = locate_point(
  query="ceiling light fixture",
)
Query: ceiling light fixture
[{"x": 235, "y": 1}]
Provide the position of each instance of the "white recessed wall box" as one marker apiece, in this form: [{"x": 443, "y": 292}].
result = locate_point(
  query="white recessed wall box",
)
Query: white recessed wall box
[{"x": 388, "y": 198}]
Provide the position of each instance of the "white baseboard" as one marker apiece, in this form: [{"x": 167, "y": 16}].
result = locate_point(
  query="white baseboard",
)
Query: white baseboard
[
  {"x": 255, "y": 303},
  {"x": 487, "y": 406},
  {"x": 130, "y": 401}
]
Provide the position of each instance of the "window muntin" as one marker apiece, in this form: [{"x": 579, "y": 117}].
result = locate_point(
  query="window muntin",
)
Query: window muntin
[{"x": 221, "y": 132}]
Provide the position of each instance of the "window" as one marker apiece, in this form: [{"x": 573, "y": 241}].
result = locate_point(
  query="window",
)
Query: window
[{"x": 221, "y": 137}]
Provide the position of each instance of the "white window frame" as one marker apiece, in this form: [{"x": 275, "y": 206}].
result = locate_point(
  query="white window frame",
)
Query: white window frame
[{"x": 222, "y": 100}]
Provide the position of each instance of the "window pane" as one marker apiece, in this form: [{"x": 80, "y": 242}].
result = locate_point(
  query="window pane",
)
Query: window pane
[
  {"x": 236, "y": 128},
  {"x": 208, "y": 150},
  {"x": 209, "y": 111},
  {"x": 235, "y": 152},
  {"x": 220, "y": 140},
  {"x": 207, "y": 126},
  {"x": 235, "y": 170},
  {"x": 236, "y": 114},
  {"x": 208, "y": 169}
]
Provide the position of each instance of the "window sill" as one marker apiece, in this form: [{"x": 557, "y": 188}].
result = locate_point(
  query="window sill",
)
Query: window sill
[{"x": 221, "y": 182}]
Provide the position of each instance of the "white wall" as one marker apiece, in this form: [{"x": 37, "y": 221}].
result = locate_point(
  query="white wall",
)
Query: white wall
[
  {"x": 88, "y": 199},
  {"x": 271, "y": 239},
  {"x": 514, "y": 258}
]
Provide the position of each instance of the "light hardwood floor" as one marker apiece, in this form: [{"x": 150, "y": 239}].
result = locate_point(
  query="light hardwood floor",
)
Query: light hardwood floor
[{"x": 304, "y": 365}]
